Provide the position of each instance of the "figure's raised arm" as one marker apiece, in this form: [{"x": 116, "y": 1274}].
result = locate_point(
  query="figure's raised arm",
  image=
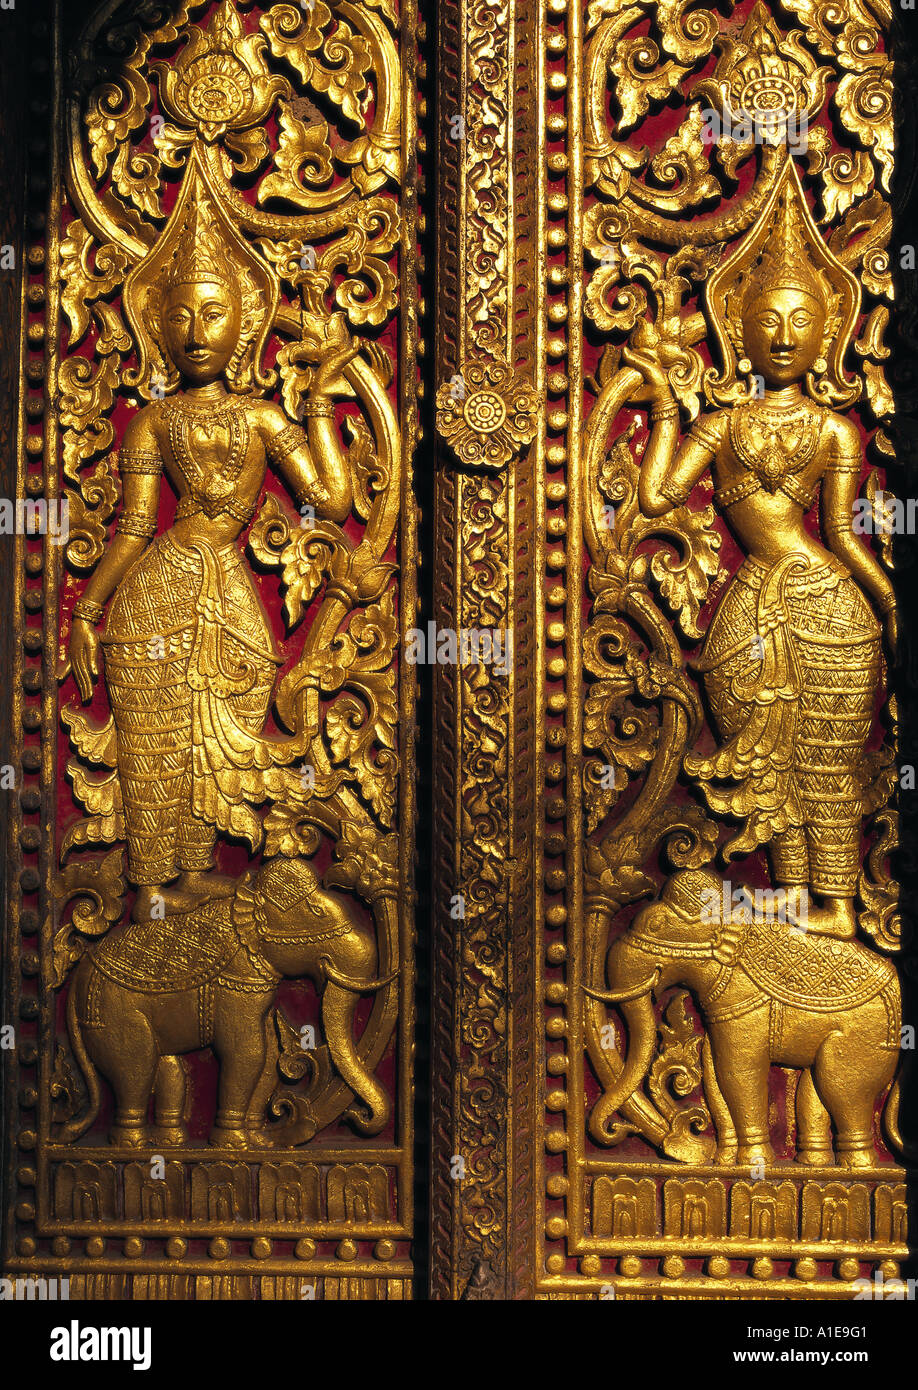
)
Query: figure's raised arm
[
  {"x": 668, "y": 472},
  {"x": 311, "y": 462},
  {"x": 666, "y": 481}
]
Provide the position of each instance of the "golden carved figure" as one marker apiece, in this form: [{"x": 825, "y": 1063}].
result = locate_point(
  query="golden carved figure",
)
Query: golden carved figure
[
  {"x": 151, "y": 991},
  {"x": 768, "y": 995},
  {"x": 189, "y": 657},
  {"x": 232, "y": 249},
  {"x": 792, "y": 660}
]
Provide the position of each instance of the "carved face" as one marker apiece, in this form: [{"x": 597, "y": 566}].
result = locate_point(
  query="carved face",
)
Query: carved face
[
  {"x": 783, "y": 335},
  {"x": 201, "y": 329}
]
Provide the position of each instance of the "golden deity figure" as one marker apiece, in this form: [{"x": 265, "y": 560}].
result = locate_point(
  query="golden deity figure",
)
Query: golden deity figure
[
  {"x": 190, "y": 660},
  {"x": 792, "y": 658}
]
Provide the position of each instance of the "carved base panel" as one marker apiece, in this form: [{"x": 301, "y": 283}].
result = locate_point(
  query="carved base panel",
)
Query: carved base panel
[{"x": 670, "y": 1233}]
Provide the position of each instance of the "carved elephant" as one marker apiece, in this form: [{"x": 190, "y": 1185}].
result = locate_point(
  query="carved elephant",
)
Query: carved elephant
[
  {"x": 154, "y": 990},
  {"x": 769, "y": 994}
]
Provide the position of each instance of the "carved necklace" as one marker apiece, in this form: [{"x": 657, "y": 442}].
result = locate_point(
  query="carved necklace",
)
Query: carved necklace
[
  {"x": 778, "y": 458},
  {"x": 205, "y": 484}
]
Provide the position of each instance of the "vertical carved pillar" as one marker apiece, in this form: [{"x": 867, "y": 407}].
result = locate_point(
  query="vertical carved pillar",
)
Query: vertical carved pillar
[{"x": 486, "y": 573}]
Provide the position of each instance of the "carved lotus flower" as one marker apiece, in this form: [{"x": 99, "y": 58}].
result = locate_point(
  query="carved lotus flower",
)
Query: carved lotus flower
[
  {"x": 765, "y": 76},
  {"x": 220, "y": 81},
  {"x": 487, "y": 414}
]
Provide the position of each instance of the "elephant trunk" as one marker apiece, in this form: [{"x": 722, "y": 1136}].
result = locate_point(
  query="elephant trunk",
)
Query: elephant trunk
[
  {"x": 901, "y": 1147},
  {"x": 642, "y": 1036},
  {"x": 338, "y": 1006}
]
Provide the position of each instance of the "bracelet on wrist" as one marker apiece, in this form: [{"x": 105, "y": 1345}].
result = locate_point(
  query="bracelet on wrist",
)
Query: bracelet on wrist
[
  {"x": 887, "y": 605},
  {"x": 664, "y": 410},
  {"x": 87, "y": 610},
  {"x": 318, "y": 409}
]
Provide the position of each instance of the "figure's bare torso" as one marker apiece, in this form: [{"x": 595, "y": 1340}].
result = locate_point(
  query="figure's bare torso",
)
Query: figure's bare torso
[
  {"x": 213, "y": 456},
  {"x": 768, "y": 522}
]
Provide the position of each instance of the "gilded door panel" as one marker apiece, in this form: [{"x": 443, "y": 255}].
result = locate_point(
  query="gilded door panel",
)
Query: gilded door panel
[
  {"x": 671, "y": 826},
  {"x": 210, "y": 926},
  {"x": 670, "y": 748}
]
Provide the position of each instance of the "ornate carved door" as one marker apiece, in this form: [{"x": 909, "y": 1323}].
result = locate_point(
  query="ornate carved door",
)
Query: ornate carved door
[
  {"x": 483, "y": 772},
  {"x": 211, "y": 817},
  {"x": 677, "y": 399}
]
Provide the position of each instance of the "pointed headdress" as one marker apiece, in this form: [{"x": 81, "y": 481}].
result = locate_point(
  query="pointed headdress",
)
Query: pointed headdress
[
  {"x": 200, "y": 245},
  {"x": 784, "y": 250}
]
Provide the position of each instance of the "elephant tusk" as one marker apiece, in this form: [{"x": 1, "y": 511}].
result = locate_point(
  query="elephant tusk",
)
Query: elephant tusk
[
  {"x": 348, "y": 981},
  {"x": 622, "y": 997}
]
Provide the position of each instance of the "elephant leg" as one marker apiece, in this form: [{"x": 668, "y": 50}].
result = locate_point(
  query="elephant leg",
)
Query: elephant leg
[
  {"x": 814, "y": 1128},
  {"x": 169, "y": 1101},
  {"x": 849, "y": 1097},
  {"x": 239, "y": 1042},
  {"x": 126, "y": 1051},
  {"x": 720, "y": 1111},
  {"x": 132, "y": 1082},
  {"x": 255, "y": 1119},
  {"x": 741, "y": 1063}
]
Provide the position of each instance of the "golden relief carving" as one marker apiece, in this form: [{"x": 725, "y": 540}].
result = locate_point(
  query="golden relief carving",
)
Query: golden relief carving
[
  {"x": 737, "y": 641},
  {"x": 485, "y": 410},
  {"x": 790, "y": 662},
  {"x": 217, "y": 350},
  {"x": 486, "y": 414},
  {"x": 207, "y": 978},
  {"x": 666, "y": 1019}
]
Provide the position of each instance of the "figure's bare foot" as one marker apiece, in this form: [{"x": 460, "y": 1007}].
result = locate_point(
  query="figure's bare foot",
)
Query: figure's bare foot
[
  {"x": 158, "y": 900},
  {"x": 206, "y": 884},
  {"x": 791, "y": 903},
  {"x": 835, "y": 917}
]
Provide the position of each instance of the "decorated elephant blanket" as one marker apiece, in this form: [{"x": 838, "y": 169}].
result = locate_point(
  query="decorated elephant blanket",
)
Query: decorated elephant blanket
[
  {"x": 812, "y": 972},
  {"x": 178, "y": 952}
]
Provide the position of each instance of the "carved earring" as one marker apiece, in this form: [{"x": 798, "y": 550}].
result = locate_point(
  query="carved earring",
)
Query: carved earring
[
  {"x": 744, "y": 365},
  {"x": 820, "y": 366}
]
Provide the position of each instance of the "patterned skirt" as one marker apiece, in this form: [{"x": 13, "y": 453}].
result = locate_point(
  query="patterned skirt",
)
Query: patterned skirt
[
  {"x": 186, "y": 634},
  {"x": 791, "y": 667}
]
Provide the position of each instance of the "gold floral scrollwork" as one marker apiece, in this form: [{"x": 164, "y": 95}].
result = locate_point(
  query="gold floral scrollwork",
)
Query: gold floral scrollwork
[
  {"x": 764, "y": 76},
  {"x": 487, "y": 414},
  {"x": 220, "y": 81}
]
